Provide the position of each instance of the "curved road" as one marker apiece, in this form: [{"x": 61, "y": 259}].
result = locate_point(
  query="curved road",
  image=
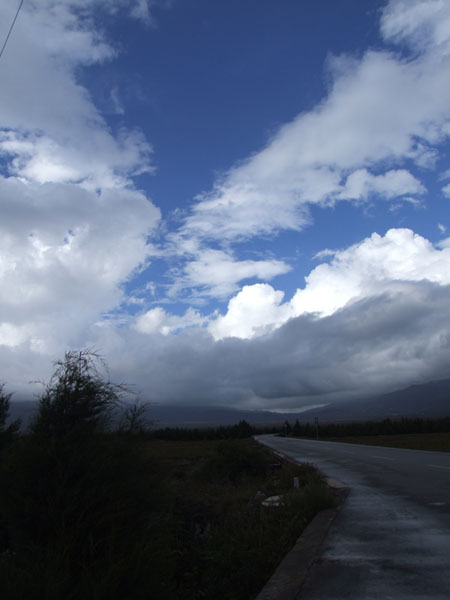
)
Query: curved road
[{"x": 391, "y": 540}]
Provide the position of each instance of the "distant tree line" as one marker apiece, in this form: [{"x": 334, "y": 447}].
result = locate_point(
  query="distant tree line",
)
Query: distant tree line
[
  {"x": 384, "y": 427},
  {"x": 223, "y": 432}
]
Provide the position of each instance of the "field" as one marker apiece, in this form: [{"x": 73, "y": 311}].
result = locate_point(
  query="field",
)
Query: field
[{"x": 438, "y": 442}]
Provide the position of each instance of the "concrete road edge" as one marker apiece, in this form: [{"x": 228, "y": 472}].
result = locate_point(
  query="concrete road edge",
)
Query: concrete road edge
[{"x": 291, "y": 573}]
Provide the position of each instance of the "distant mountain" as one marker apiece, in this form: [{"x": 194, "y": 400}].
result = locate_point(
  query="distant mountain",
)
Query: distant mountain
[
  {"x": 167, "y": 415},
  {"x": 426, "y": 400}
]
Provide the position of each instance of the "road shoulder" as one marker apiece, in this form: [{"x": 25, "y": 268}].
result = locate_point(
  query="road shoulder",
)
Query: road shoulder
[{"x": 292, "y": 572}]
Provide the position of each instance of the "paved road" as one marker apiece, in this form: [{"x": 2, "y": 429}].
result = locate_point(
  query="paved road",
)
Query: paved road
[{"x": 392, "y": 538}]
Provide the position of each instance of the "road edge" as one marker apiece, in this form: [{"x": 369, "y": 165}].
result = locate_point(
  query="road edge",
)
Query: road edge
[{"x": 290, "y": 575}]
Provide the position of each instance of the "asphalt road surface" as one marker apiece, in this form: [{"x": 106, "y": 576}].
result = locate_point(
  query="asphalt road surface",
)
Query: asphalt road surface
[{"x": 391, "y": 539}]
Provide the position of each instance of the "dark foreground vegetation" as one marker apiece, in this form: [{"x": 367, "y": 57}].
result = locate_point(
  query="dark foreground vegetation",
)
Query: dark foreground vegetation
[
  {"x": 241, "y": 430},
  {"x": 90, "y": 511}
]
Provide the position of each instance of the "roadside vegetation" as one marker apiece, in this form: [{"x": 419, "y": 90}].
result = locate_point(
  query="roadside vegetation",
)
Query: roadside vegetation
[{"x": 93, "y": 508}]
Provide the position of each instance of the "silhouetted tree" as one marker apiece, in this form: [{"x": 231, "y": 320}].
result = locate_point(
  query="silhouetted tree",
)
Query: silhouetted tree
[
  {"x": 134, "y": 419},
  {"x": 74, "y": 496},
  {"x": 78, "y": 395},
  {"x": 7, "y": 432},
  {"x": 297, "y": 429},
  {"x": 287, "y": 429}
]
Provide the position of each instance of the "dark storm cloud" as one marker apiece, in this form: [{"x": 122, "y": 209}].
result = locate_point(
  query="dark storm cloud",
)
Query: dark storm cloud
[{"x": 375, "y": 345}]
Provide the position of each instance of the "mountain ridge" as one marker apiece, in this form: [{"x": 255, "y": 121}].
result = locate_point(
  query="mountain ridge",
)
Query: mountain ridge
[{"x": 428, "y": 400}]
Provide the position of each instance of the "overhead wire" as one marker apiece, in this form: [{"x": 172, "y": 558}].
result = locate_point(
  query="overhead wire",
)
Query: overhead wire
[{"x": 11, "y": 28}]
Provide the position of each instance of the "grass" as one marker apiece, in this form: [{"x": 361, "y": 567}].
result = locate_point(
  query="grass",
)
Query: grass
[
  {"x": 438, "y": 442},
  {"x": 226, "y": 544}
]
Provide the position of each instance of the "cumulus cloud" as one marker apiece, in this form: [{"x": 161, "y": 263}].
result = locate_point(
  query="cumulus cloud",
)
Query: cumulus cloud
[
  {"x": 64, "y": 252},
  {"x": 255, "y": 310},
  {"x": 73, "y": 226},
  {"x": 376, "y": 265},
  {"x": 367, "y": 268}
]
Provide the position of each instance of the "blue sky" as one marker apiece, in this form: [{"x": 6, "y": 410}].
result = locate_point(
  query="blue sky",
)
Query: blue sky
[{"x": 237, "y": 203}]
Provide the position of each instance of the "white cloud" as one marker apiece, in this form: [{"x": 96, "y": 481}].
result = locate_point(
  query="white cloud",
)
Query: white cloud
[
  {"x": 376, "y": 265},
  {"x": 424, "y": 24},
  {"x": 255, "y": 310},
  {"x": 50, "y": 127},
  {"x": 369, "y": 268},
  {"x": 446, "y": 190},
  {"x": 361, "y": 184},
  {"x": 217, "y": 273},
  {"x": 381, "y": 110},
  {"x": 64, "y": 253},
  {"x": 157, "y": 320},
  {"x": 73, "y": 227}
]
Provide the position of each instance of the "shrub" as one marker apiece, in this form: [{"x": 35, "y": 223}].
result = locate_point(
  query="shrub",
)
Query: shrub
[
  {"x": 78, "y": 396},
  {"x": 233, "y": 461}
]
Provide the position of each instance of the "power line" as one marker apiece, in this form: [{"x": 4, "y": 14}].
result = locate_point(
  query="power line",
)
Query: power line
[{"x": 11, "y": 28}]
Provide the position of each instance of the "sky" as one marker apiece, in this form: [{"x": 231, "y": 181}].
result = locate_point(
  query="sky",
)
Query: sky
[{"x": 237, "y": 203}]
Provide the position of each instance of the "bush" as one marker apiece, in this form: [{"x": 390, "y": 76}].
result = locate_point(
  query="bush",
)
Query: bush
[
  {"x": 78, "y": 396},
  {"x": 233, "y": 461}
]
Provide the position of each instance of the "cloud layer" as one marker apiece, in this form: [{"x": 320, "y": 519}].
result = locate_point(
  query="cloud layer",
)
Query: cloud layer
[
  {"x": 76, "y": 230},
  {"x": 73, "y": 226}
]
